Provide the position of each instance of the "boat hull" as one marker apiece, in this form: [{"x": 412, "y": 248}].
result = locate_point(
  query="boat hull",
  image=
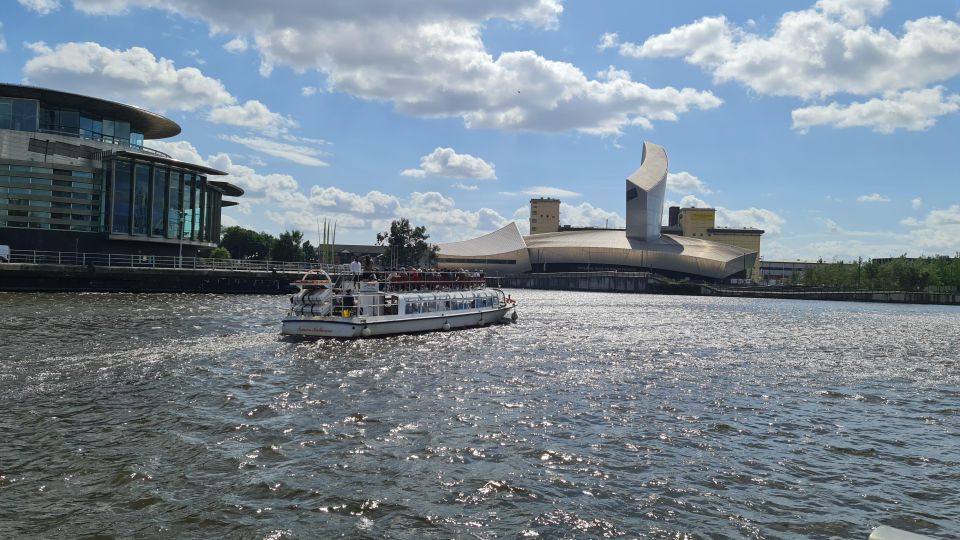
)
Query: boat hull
[{"x": 355, "y": 327}]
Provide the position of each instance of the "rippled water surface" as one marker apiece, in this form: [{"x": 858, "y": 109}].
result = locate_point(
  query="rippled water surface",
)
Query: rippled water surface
[{"x": 595, "y": 415}]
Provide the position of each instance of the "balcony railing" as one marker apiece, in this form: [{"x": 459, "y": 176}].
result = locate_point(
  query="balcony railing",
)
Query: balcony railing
[
  {"x": 106, "y": 139},
  {"x": 72, "y": 258}
]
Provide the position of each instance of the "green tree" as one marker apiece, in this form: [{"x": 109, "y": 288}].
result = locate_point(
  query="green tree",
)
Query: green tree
[
  {"x": 309, "y": 252},
  {"x": 246, "y": 244},
  {"x": 219, "y": 253},
  {"x": 287, "y": 247},
  {"x": 407, "y": 245}
]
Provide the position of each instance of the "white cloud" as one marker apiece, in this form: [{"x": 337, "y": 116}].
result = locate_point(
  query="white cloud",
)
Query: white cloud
[
  {"x": 873, "y": 198},
  {"x": 428, "y": 59},
  {"x": 916, "y": 203},
  {"x": 913, "y": 110},
  {"x": 257, "y": 187},
  {"x": 938, "y": 231},
  {"x": 817, "y": 52},
  {"x": 587, "y": 215},
  {"x": 610, "y": 40},
  {"x": 252, "y": 114},
  {"x": 236, "y": 45},
  {"x": 691, "y": 201},
  {"x": 373, "y": 211},
  {"x": 757, "y": 218},
  {"x": 137, "y": 77},
  {"x": 448, "y": 163},
  {"x": 132, "y": 76},
  {"x": 43, "y": 7},
  {"x": 706, "y": 42},
  {"x": 195, "y": 55},
  {"x": 826, "y": 50},
  {"x": 547, "y": 191},
  {"x": 465, "y": 187},
  {"x": 853, "y": 12},
  {"x": 308, "y": 90},
  {"x": 284, "y": 201},
  {"x": 684, "y": 182},
  {"x": 297, "y": 153},
  {"x": 3, "y": 42},
  {"x": 934, "y": 234}
]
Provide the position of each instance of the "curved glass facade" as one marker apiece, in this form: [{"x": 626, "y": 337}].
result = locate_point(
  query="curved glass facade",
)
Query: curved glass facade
[
  {"x": 31, "y": 115},
  {"x": 151, "y": 199},
  {"x": 113, "y": 187}
]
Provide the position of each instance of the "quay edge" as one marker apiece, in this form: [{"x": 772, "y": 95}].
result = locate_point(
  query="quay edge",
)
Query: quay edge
[
  {"x": 643, "y": 282},
  {"x": 59, "y": 278}
]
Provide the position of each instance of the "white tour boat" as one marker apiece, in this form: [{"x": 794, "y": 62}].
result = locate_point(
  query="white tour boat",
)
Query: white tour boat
[{"x": 403, "y": 303}]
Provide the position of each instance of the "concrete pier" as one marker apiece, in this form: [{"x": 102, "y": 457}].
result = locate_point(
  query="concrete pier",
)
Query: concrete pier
[{"x": 65, "y": 278}]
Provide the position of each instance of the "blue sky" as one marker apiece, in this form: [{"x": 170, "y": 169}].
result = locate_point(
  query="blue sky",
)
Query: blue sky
[{"x": 834, "y": 125}]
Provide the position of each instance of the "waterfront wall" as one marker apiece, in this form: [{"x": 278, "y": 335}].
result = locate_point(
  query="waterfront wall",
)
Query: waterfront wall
[
  {"x": 64, "y": 278},
  {"x": 893, "y": 297},
  {"x": 642, "y": 282},
  {"x": 625, "y": 282}
]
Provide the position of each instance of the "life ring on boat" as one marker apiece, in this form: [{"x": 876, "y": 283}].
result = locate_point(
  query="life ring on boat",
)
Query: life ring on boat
[{"x": 510, "y": 300}]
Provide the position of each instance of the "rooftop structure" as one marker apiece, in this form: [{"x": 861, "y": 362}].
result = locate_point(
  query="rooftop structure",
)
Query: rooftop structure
[
  {"x": 75, "y": 175},
  {"x": 544, "y": 215}
]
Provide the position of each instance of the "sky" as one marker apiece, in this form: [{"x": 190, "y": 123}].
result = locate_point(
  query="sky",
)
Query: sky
[{"x": 833, "y": 125}]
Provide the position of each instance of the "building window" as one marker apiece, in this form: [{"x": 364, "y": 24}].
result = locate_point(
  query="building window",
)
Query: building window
[
  {"x": 200, "y": 205},
  {"x": 141, "y": 208},
  {"x": 159, "y": 194},
  {"x": 173, "y": 211},
  {"x": 188, "y": 206},
  {"x": 122, "y": 191},
  {"x": 18, "y": 114}
]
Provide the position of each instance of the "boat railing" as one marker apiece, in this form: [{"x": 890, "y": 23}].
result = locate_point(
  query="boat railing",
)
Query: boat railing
[
  {"x": 416, "y": 281},
  {"x": 346, "y": 301}
]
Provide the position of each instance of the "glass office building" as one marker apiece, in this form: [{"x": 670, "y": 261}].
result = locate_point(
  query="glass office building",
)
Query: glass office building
[{"x": 75, "y": 174}]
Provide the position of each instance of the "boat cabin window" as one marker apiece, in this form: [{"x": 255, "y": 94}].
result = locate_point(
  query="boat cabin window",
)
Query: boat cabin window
[{"x": 448, "y": 304}]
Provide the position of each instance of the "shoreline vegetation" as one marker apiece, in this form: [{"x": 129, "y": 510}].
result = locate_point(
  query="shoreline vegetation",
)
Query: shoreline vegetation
[{"x": 938, "y": 274}]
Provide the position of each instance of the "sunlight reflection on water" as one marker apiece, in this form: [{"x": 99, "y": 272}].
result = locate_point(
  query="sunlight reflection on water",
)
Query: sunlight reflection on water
[{"x": 594, "y": 415}]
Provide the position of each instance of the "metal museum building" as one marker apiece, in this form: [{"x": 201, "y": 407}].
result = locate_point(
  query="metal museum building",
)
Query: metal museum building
[{"x": 75, "y": 176}]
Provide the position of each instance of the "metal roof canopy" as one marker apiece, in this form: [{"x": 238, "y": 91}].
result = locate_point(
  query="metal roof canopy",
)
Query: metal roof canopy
[
  {"x": 152, "y": 125},
  {"x": 127, "y": 154}
]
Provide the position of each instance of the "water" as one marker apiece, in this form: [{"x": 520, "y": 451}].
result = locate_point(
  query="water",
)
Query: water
[{"x": 596, "y": 415}]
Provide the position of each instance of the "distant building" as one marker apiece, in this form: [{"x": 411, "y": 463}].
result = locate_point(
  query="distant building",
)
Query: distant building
[
  {"x": 544, "y": 215},
  {"x": 701, "y": 223},
  {"x": 641, "y": 246},
  {"x": 75, "y": 176},
  {"x": 783, "y": 272}
]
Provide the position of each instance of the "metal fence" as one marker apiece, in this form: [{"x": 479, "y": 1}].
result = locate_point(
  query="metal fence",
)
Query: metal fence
[{"x": 23, "y": 256}]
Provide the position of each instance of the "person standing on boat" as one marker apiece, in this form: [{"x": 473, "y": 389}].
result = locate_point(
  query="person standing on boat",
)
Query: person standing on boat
[{"x": 355, "y": 269}]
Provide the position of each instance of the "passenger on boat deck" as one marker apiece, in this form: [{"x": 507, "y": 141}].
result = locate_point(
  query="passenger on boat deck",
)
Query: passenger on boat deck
[
  {"x": 348, "y": 302},
  {"x": 355, "y": 269}
]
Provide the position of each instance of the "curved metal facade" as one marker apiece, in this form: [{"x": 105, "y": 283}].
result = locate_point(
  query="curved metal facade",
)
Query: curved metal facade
[
  {"x": 646, "y": 188},
  {"x": 640, "y": 247},
  {"x": 501, "y": 252}
]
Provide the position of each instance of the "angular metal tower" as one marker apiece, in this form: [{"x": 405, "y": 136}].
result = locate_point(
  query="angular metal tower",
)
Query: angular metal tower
[{"x": 646, "y": 188}]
